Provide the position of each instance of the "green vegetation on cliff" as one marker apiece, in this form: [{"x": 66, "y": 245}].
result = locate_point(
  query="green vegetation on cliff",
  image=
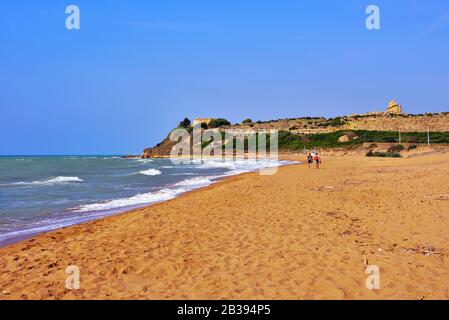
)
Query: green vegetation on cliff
[
  {"x": 291, "y": 141},
  {"x": 309, "y": 133}
]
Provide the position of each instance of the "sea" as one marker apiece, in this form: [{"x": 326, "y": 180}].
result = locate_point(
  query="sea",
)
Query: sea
[{"x": 43, "y": 193}]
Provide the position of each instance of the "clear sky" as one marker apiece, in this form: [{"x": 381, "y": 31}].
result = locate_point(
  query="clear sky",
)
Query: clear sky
[{"x": 136, "y": 68}]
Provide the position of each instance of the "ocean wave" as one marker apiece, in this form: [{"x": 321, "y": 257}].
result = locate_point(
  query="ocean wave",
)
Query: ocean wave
[
  {"x": 52, "y": 181},
  {"x": 196, "y": 182},
  {"x": 241, "y": 165},
  {"x": 150, "y": 172},
  {"x": 138, "y": 199},
  {"x": 165, "y": 194},
  {"x": 217, "y": 164},
  {"x": 183, "y": 174},
  {"x": 143, "y": 160}
]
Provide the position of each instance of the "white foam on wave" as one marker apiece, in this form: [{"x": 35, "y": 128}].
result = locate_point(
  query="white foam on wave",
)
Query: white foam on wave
[
  {"x": 143, "y": 160},
  {"x": 150, "y": 197},
  {"x": 196, "y": 182},
  {"x": 241, "y": 166},
  {"x": 172, "y": 191},
  {"x": 217, "y": 164},
  {"x": 138, "y": 199},
  {"x": 52, "y": 181},
  {"x": 150, "y": 172}
]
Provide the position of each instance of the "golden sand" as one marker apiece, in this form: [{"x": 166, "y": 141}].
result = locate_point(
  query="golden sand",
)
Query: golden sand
[{"x": 300, "y": 234}]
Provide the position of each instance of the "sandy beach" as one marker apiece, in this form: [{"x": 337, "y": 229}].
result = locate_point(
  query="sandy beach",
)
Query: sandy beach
[{"x": 300, "y": 234}]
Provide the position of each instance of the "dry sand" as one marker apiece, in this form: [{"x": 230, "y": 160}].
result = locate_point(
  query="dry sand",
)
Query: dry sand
[{"x": 300, "y": 234}]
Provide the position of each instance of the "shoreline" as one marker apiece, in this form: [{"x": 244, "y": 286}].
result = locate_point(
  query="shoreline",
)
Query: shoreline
[
  {"x": 300, "y": 234},
  {"x": 104, "y": 214}
]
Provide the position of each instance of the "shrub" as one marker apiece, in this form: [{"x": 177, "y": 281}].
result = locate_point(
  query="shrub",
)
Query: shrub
[
  {"x": 185, "y": 123},
  {"x": 383, "y": 154},
  {"x": 247, "y": 121},
  {"x": 412, "y": 147},
  {"x": 324, "y": 124},
  {"x": 411, "y": 139},
  {"x": 389, "y": 139},
  {"x": 396, "y": 148},
  {"x": 338, "y": 122},
  {"x": 216, "y": 123}
]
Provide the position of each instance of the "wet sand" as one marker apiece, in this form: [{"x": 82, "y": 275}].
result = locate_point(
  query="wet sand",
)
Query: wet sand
[{"x": 300, "y": 234}]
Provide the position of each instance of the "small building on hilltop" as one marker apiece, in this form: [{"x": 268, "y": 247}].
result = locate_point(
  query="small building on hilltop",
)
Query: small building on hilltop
[{"x": 394, "y": 108}]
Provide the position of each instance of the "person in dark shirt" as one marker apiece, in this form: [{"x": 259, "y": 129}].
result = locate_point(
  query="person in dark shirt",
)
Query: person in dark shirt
[{"x": 309, "y": 160}]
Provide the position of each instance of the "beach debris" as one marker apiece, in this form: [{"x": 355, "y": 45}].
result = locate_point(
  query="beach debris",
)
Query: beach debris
[
  {"x": 428, "y": 250},
  {"x": 441, "y": 197},
  {"x": 323, "y": 188},
  {"x": 332, "y": 214}
]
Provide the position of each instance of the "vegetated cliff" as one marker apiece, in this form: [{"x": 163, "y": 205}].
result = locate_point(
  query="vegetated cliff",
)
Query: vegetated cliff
[{"x": 298, "y": 133}]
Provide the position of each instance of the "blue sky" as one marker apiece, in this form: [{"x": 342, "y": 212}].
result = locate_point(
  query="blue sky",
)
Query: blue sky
[{"x": 136, "y": 68}]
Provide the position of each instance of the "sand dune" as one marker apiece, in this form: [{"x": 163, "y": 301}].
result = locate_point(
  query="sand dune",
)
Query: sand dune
[{"x": 300, "y": 234}]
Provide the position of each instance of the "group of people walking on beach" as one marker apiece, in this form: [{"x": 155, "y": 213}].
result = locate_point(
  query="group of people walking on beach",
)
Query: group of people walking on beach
[{"x": 313, "y": 157}]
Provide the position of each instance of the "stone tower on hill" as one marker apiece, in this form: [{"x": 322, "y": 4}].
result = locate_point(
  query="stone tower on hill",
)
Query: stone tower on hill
[{"x": 394, "y": 108}]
